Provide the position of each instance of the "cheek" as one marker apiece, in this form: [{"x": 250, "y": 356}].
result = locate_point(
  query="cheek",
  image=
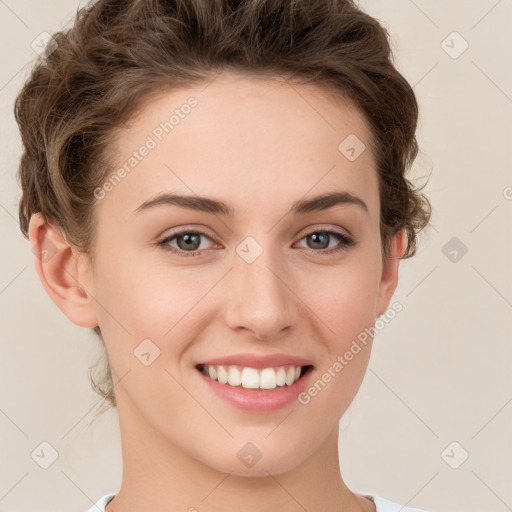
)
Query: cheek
[
  {"x": 346, "y": 314},
  {"x": 161, "y": 304},
  {"x": 344, "y": 300},
  {"x": 138, "y": 294}
]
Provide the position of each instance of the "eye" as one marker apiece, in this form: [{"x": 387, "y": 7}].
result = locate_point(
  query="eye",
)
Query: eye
[
  {"x": 320, "y": 241},
  {"x": 188, "y": 242}
]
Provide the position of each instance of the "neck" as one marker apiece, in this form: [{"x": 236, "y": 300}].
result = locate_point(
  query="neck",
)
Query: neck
[{"x": 161, "y": 476}]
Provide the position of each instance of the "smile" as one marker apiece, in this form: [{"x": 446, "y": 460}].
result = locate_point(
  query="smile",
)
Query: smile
[{"x": 252, "y": 378}]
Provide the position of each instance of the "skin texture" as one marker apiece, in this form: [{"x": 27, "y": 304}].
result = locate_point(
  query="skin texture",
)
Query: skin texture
[{"x": 259, "y": 145}]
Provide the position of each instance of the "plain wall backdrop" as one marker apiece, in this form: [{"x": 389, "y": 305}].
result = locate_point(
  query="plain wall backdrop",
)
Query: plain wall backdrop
[{"x": 430, "y": 426}]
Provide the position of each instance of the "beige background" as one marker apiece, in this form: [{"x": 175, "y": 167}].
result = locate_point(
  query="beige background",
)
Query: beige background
[{"x": 440, "y": 371}]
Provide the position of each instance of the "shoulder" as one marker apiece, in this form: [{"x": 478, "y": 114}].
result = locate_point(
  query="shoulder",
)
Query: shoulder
[
  {"x": 384, "y": 505},
  {"x": 100, "y": 505}
]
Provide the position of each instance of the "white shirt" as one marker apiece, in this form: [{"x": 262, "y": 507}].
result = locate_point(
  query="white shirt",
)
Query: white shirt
[{"x": 381, "y": 504}]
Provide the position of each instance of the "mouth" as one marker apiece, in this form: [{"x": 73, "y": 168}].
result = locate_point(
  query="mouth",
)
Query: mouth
[{"x": 256, "y": 379}]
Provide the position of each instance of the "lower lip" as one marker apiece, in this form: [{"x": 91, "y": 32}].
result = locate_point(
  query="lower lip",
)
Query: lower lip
[{"x": 258, "y": 400}]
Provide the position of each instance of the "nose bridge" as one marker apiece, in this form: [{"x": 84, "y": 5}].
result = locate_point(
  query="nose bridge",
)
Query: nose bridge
[{"x": 260, "y": 299}]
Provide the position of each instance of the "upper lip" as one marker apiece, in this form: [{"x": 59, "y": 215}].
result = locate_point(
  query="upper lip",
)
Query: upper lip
[{"x": 255, "y": 361}]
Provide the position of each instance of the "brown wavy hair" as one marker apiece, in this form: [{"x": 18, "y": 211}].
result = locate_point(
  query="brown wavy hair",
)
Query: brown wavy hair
[{"x": 96, "y": 75}]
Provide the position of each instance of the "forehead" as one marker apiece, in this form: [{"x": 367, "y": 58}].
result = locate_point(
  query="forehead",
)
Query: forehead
[{"x": 251, "y": 138}]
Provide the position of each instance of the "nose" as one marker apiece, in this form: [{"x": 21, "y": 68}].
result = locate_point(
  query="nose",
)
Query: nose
[{"x": 260, "y": 299}]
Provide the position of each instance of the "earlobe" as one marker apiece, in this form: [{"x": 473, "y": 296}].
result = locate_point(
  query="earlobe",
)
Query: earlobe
[
  {"x": 58, "y": 267},
  {"x": 389, "y": 278}
]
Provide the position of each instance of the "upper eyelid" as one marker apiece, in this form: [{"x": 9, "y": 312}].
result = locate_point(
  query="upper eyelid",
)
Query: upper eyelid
[{"x": 183, "y": 231}]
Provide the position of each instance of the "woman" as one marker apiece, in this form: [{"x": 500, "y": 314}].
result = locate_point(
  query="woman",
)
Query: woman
[{"x": 218, "y": 189}]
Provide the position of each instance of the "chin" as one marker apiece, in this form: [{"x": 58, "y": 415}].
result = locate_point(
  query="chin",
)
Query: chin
[{"x": 249, "y": 461}]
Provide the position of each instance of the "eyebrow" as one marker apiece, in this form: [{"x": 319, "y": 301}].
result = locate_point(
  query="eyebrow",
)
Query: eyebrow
[{"x": 205, "y": 204}]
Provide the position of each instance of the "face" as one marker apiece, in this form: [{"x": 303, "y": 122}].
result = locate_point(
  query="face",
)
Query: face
[{"x": 180, "y": 283}]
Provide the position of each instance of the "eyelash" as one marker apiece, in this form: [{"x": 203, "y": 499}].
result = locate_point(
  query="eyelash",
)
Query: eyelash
[{"x": 346, "y": 242}]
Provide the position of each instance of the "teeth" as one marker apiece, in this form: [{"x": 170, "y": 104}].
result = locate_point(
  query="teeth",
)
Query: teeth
[
  {"x": 212, "y": 372},
  {"x": 268, "y": 378},
  {"x": 290, "y": 376},
  {"x": 222, "y": 375},
  {"x": 281, "y": 377},
  {"x": 251, "y": 378},
  {"x": 234, "y": 377}
]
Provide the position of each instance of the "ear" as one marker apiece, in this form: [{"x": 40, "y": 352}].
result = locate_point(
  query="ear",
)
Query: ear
[
  {"x": 389, "y": 279},
  {"x": 60, "y": 270}
]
